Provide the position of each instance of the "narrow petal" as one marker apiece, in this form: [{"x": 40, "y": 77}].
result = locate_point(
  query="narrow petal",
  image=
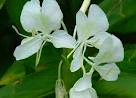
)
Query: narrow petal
[
  {"x": 51, "y": 14},
  {"x": 88, "y": 93},
  {"x": 77, "y": 61},
  {"x": 83, "y": 83},
  {"x": 111, "y": 50},
  {"x": 61, "y": 39},
  {"x": 109, "y": 72},
  {"x": 31, "y": 16},
  {"x": 97, "y": 19},
  {"x": 83, "y": 29},
  {"x": 28, "y": 48}
]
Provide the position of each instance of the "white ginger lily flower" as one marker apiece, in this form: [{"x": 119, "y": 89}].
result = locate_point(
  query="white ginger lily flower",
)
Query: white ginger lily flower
[
  {"x": 110, "y": 51},
  {"x": 42, "y": 21},
  {"x": 83, "y": 88},
  {"x": 91, "y": 32}
]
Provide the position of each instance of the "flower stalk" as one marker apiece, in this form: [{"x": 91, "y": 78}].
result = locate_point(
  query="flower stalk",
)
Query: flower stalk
[{"x": 85, "y": 5}]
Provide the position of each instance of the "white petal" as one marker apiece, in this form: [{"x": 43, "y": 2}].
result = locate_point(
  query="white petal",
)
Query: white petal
[
  {"x": 118, "y": 49},
  {"x": 83, "y": 29},
  {"x": 26, "y": 40},
  {"x": 110, "y": 51},
  {"x": 61, "y": 39},
  {"x": 98, "y": 39},
  {"x": 83, "y": 83},
  {"x": 88, "y": 93},
  {"x": 108, "y": 72},
  {"x": 52, "y": 14},
  {"x": 28, "y": 48},
  {"x": 31, "y": 16},
  {"x": 77, "y": 61},
  {"x": 97, "y": 19}
]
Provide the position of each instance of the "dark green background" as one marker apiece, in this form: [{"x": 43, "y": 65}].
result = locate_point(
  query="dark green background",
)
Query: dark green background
[{"x": 18, "y": 79}]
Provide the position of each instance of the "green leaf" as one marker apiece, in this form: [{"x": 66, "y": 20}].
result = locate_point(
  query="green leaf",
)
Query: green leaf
[
  {"x": 129, "y": 62},
  {"x": 14, "y": 12},
  {"x": 121, "y": 15},
  {"x": 34, "y": 85},
  {"x": 2, "y": 2},
  {"x": 14, "y": 73},
  {"x": 124, "y": 87},
  {"x": 28, "y": 83}
]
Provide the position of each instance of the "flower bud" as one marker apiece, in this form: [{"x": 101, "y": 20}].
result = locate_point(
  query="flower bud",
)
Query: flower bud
[{"x": 60, "y": 89}]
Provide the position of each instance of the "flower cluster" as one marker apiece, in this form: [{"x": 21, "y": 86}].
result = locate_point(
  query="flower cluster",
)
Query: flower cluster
[
  {"x": 91, "y": 32},
  {"x": 44, "y": 23}
]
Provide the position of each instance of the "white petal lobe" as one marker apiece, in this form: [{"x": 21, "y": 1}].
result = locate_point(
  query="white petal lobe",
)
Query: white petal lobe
[
  {"x": 61, "y": 39},
  {"x": 51, "y": 14},
  {"x": 111, "y": 50},
  {"x": 28, "y": 48},
  {"x": 83, "y": 83},
  {"x": 77, "y": 61},
  {"x": 83, "y": 29},
  {"x": 31, "y": 16},
  {"x": 97, "y": 19},
  {"x": 109, "y": 72},
  {"x": 83, "y": 88},
  {"x": 98, "y": 39},
  {"x": 88, "y": 93}
]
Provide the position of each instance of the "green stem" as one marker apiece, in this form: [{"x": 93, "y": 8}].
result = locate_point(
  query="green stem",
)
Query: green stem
[
  {"x": 73, "y": 50},
  {"x": 59, "y": 70},
  {"x": 75, "y": 31},
  {"x": 91, "y": 71},
  {"x": 18, "y": 32},
  {"x": 88, "y": 61},
  {"x": 85, "y": 5},
  {"x": 38, "y": 55},
  {"x": 83, "y": 8},
  {"x": 83, "y": 68},
  {"x": 64, "y": 26}
]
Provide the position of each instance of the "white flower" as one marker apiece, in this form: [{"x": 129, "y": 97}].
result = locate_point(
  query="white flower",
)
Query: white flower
[
  {"x": 91, "y": 32},
  {"x": 41, "y": 21},
  {"x": 83, "y": 88},
  {"x": 110, "y": 51}
]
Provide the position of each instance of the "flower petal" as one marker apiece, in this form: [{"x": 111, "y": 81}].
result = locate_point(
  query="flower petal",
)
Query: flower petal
[
  {"x": 52, "y": 14},
  {"x": 28, "y": 48},
  {"x": 61, "y": 39},
  {"x": 77, "y": 61},
  {"x": 98, "y": 39},
  {"x": 88, "y": 93},
  {"x": 97, "y": 19},
  {"x": 111, "y": 50},
  {"x": 31, "y": 16},
  {"x": 83, "y": 29},
  {"x": 83, "y": 83},
  {"x": 26, "y": 40},
  {"x": 108, "y": 72}
]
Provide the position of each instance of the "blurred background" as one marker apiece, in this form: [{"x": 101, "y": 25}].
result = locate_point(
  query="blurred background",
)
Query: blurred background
[{"x": 18, "y": 79}]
